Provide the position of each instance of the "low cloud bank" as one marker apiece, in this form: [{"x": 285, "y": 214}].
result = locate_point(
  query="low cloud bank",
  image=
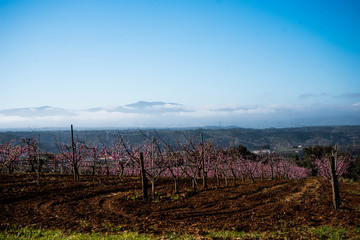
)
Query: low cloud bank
[{"x": 169, "y": 115}]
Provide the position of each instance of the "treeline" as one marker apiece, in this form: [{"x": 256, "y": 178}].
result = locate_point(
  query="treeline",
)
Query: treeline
[
  {"x": 346, "y": 137},
  {"x": 197, "y": 158},
  {"x": 121, "y": 157}
]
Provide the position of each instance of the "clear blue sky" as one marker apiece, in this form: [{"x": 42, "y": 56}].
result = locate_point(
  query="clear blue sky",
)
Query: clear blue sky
[{"x": 81, "y": 54}]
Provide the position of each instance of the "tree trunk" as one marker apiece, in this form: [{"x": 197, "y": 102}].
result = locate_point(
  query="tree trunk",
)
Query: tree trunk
[
  {"x": 94, "y": 162},
  {"x": 73, "y": 155},
  {"x": 121, "y": 173},
  {"x": 176, "y": 187},
  {"x": 107, "y": 167},
  {"x": 93, "y": 169},
  {"x": 252, "y": 179},
  {"x": 32, "y": 166},
  {"x": 62, "y": 166},
  {"x": 143, "y": 178},
  {"x": 153, "y": 189},
  {"x": 217, "y": 180},
  {"x": 194, "y": 184},
  {"x": 76, "y": 173}
]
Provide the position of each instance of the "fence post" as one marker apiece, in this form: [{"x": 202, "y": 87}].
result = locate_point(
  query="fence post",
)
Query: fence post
[
  {"x": 39, "y": 165},
  {"x": 73, "y": 155},
  {"x": 203, "y": 162},
  {"x": 334, "y": 180}
]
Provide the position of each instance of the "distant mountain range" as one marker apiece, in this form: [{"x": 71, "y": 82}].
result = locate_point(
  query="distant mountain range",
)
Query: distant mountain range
[
  {"x": 173, "y": 115},
  {"x": 277, "y": 139}
]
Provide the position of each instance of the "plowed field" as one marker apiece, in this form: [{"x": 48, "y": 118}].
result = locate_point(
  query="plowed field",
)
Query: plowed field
[{"x": 110, "y": 204}]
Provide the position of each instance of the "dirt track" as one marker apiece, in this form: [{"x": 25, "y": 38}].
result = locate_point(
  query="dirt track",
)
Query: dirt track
[{"x": 111, "y": 204}]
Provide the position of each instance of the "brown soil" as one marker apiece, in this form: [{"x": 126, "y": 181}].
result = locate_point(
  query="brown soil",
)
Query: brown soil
[{"x": 103, "y": 202}]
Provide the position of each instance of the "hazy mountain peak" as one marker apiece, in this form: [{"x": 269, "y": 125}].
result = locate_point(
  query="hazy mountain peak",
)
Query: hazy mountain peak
[{"x": 144, "y": 104}]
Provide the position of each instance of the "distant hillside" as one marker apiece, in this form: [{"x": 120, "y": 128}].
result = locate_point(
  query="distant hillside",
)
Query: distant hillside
[{"x": 278, "y": 139}]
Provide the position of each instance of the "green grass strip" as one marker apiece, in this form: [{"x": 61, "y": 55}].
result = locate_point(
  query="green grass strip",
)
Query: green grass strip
[{"x": 41, "y": 234}]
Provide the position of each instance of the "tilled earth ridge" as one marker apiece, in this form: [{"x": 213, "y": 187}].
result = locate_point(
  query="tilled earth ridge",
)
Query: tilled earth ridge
[{"x": 111, "y": 204}]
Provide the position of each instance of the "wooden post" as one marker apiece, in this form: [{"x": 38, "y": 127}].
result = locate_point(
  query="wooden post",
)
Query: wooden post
[
  {"x": 203, "y": 162},
  {"x": 39, "y": 166},
  {"x": 334, "y": 180},
  {"x": 143, "y": 178},
  {"x": 152, "y": 169},
  {"x": 73, "y": 154}
]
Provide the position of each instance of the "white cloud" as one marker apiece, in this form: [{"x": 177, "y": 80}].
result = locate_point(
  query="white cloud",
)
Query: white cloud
[
  {"x": 165, "y": 106},
  {"x": 104, "y": 115},
  {"x": 129, "y": 108},
  {"x": 9, "y": 119},
  {"x": 179, "y": 116}
]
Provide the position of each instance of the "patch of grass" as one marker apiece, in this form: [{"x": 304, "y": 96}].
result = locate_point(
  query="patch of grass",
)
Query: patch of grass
[
  {"x": 356, "y": 230},
  {"x": 328, "y": 232},
  {"x": 321, "y": 232},
  {"x": 171, "y": 196},
  {"x": 175, "y": 236},
  {"x": 175, "y": 197},
  {"x": 356, "y": 192},
  {"x": 27, "y": 233},
  {"x": 233, "y": 235},
  {"x": 113, "y": 228},
  {"x": 133, "y": 196},
  {"x": 84, "y": 223},
  {"x": 284, "y": 225}
]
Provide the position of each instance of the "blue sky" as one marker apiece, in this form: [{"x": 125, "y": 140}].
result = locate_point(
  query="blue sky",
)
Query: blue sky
[{"x": 82, "y": 54}]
